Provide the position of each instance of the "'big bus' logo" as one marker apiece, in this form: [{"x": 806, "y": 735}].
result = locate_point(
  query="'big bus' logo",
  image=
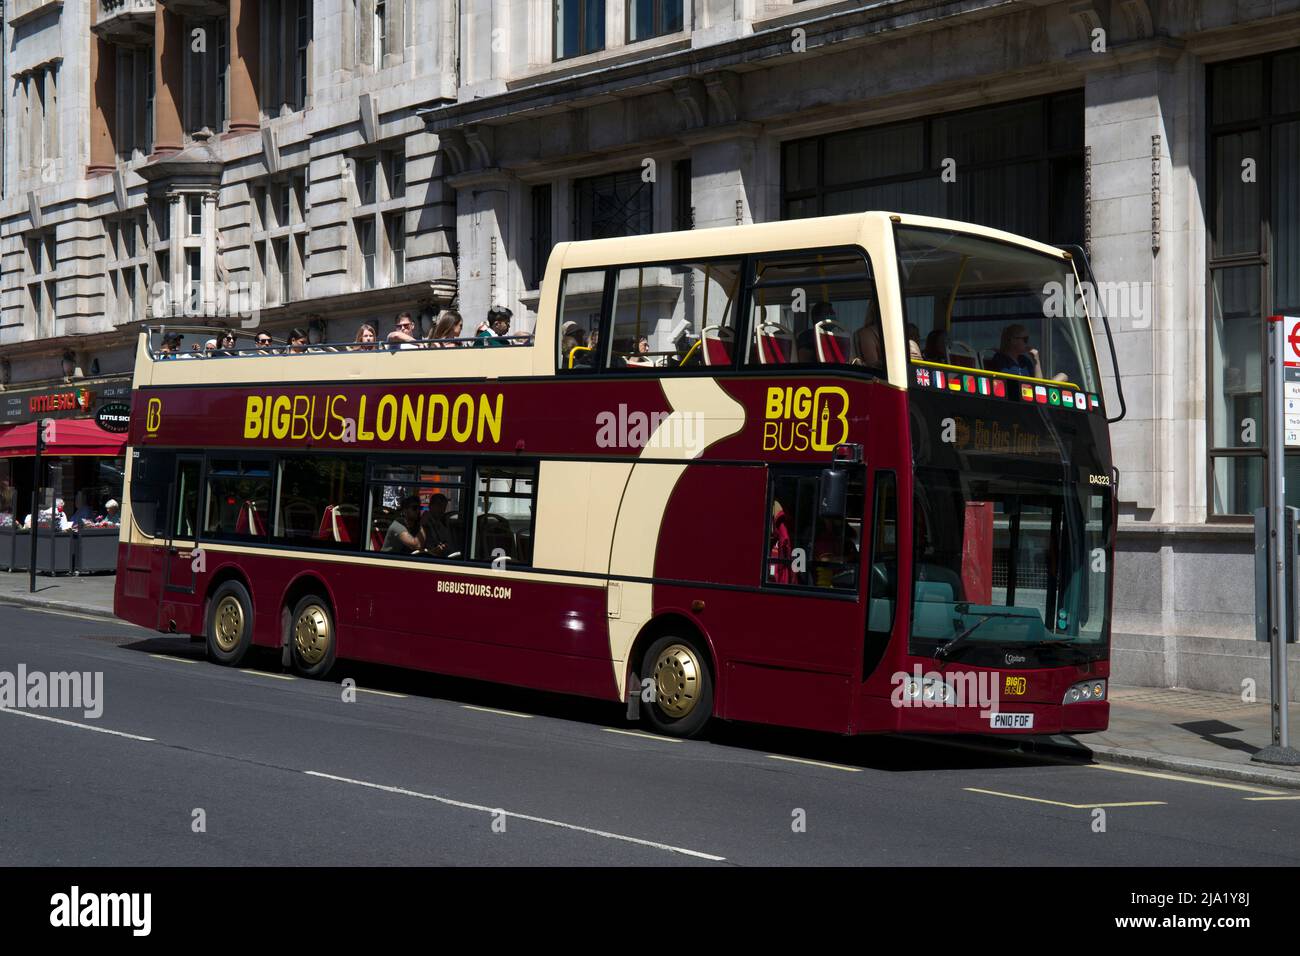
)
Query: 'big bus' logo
[
  {"x": 805, "y": 419},
  {"x": 153, "y": 416}
]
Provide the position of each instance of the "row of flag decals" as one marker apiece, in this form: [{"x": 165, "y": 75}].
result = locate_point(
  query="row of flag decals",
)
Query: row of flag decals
[{"x": 997, "y": 388}]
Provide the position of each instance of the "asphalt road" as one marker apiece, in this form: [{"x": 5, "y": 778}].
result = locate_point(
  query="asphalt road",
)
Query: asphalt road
[{"x": 426, "y": 770}]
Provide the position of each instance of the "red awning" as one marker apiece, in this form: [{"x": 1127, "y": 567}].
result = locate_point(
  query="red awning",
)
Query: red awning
[{"x": 72, "y": 436}]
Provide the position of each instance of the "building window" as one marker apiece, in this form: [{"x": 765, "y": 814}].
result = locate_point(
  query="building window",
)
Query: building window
[
  {"x": 194, "y": 214},
  {"x": 395, "y": 226},
  {"x": 366, "y": 176},
  {"x": 541, "y": 238},
  {"x": 1019, "y": 168},
  {"x": 38, "y": 139},
  {"x": 287, "y": 48},
  {"x": 395, "y": 169},
  {"x": 579, "y": 27},
  {"x": 652, "y": 18},
  {"x": 1254, "y": 263},
  {"x": 617, "y": 204},
  {"x": 285, "y": 266},
  {"x": 207, "y": 75},
  {"x": 134, "y": 102},
  {"x": 366, "y": 245},
  {"x": 126, "y": 268},
  {"x": 380, "y": 28}
]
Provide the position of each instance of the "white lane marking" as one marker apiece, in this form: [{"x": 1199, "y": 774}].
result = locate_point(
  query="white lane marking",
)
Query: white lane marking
[
  {"x": 246, "y": 670},
  {"x": 638, "y": 733},
  {"x": 1182, "y": 779},
  {"x": 1072, "y": 806},
  {"x": 178, "y": 660},
  {"x": 1266, "y": 799},
  {"x": 493, "y": 710},
  {"x": 73, "y": 723},
  {"x": 381, "y": 693},
  {"x": 816, "y": 763},
  {"x": 518, "y": 816}
]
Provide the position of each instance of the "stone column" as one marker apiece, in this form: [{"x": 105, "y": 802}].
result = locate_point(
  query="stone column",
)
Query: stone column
[
  {"x": 169, "y": 74},
  {"x": 103, "y": 106},
  {"x": 245, "y": 61}
]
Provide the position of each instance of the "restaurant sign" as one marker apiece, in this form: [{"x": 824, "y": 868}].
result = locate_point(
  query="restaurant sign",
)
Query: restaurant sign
[{"x": 65, "y": 401}]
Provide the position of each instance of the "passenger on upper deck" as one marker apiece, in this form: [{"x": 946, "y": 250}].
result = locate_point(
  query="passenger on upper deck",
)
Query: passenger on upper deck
[
  {"x": 1016, "y": 357},
  {"x": 366, "y": 339},
  {"x": 405, "y": 335},
  {"x": 446, "y": 331},
  {"x": 264, "y": 342},
  {"x": 495, "y": 331},
  {"x": 297, "y": 341}
]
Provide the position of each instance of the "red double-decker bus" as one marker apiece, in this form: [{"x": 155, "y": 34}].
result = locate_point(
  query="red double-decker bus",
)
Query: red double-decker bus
[{"x": 850, "y": 474}]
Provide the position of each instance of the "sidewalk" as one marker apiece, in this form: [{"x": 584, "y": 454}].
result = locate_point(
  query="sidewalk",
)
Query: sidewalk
[{"x": 1181, "y": 731}]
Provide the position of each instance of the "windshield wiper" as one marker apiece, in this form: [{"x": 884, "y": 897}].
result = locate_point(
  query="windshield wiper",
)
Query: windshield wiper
[{"x": 946, "y": 649}]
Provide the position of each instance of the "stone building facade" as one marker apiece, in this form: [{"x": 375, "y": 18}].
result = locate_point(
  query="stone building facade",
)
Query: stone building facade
[{"x": 349, "y": 158}]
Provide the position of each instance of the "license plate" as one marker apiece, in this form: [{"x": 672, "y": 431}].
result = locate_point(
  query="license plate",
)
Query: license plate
[{"x": 1001, "y": 721}]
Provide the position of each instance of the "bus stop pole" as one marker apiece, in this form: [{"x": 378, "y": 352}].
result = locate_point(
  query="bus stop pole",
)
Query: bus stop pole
[{"x": 1280, "y": 546}]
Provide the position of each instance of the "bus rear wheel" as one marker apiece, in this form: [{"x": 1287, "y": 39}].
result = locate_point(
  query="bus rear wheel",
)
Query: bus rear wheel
[
  {"x": 312, "y": 638},
  {"x": 683, "y": 687},
  {"x": 230, "y": 623}
]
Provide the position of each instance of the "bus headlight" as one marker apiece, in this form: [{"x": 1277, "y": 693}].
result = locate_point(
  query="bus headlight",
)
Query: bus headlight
[{"x": 1085, "y": 692}]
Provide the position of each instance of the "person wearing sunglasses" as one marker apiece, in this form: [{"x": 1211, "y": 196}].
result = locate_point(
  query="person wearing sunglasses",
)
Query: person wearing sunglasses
[
  {"x": 1014, "y": 354},
  {"x": 264, "y": 342},
  {"x": 405, "y": 335}
]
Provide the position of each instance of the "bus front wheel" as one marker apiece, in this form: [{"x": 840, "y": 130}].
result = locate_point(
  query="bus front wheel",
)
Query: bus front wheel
[
  {"x": 682, "y": 698},
  {"x": 312, "y": 637},
  {"x": 230, "y": 623}
]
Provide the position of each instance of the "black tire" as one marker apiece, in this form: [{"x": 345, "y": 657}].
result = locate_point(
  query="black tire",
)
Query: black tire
[
  {"x": 683, "y": 683},
  {"x": 229, "y": 630},
  {"x": 313, "y": 638}
]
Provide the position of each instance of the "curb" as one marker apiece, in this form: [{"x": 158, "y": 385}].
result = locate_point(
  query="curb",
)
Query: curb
[
  {"x": 1062, "y": 752},
  {"x": 42, "y": 604}
]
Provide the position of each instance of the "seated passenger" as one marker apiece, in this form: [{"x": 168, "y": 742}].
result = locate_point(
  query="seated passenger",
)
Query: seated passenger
[
  {"x": 936, "y": 347},
  {"x": 1016, "y": 357},
  {"x": 641, "y": 357},
  {"x": 366, "y": 338},
  {"x": 403, "y": 533},
  {"x": 405, "y": 335},
  {"x": 436, "y": 537},
  {"x": 913, "y": 342},
  {"x": 446, "y": 331}
]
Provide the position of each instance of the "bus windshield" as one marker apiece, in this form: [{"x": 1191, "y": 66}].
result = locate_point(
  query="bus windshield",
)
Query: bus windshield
[
  {"x": 983, "y": 304},
  {"x": 1009, "y": 570}
]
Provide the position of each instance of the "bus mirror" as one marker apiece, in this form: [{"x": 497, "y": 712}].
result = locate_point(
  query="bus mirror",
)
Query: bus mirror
[{"x": 833, "y": 490}]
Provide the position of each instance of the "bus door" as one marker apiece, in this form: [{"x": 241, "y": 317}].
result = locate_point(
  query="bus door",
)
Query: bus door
[{"x": 179, "y": 573}]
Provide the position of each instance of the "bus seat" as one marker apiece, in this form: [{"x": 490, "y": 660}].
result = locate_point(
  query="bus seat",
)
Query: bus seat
[
  {"x": 376, "y": 540},
  {"x": 779, "y": 571},
  {"x": 829, "y": 345},
  {"x": 717, "y": 348},
  {"x": 773, "y": 345},
  {"x": 326, "y": 530},
  {"x": 346, "y": 525},
  {"x": 249, "y": 521}
]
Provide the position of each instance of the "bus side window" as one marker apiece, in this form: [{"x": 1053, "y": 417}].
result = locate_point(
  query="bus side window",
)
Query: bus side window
[
  {"x": 674, "y": 316},
  {"x": 806, "y": 548},
  {"x": 577, "y": 317},
  {"x": 187, "y": 500},
  {"x": 882, "y": 592}
]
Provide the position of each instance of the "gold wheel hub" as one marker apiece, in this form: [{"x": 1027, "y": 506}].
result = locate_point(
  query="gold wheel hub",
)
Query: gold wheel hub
[
  {"x": 677, "y": 680},
  {"x": 228, "y": 623},
  {"x": 312, "y": 635}
]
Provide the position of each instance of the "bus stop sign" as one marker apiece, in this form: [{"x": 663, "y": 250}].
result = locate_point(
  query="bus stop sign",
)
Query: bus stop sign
[{"x": 1291, "y": 384}]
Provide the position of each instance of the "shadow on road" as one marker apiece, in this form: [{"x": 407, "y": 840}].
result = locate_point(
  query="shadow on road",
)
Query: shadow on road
[{"x": 888, "y": 752}]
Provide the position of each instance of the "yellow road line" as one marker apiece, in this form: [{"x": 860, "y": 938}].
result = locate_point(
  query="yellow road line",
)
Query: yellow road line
[
  {"x": 638, "y": 733},
  {"x": 1182, "y": 779},
  {"x": 493, "y": 710},
  {"x": 1071, "y": 806},
  {"x": 178, "y": 660},
  {"x": 816, "y": 763},
  {"x": 245, "y": 670}
]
